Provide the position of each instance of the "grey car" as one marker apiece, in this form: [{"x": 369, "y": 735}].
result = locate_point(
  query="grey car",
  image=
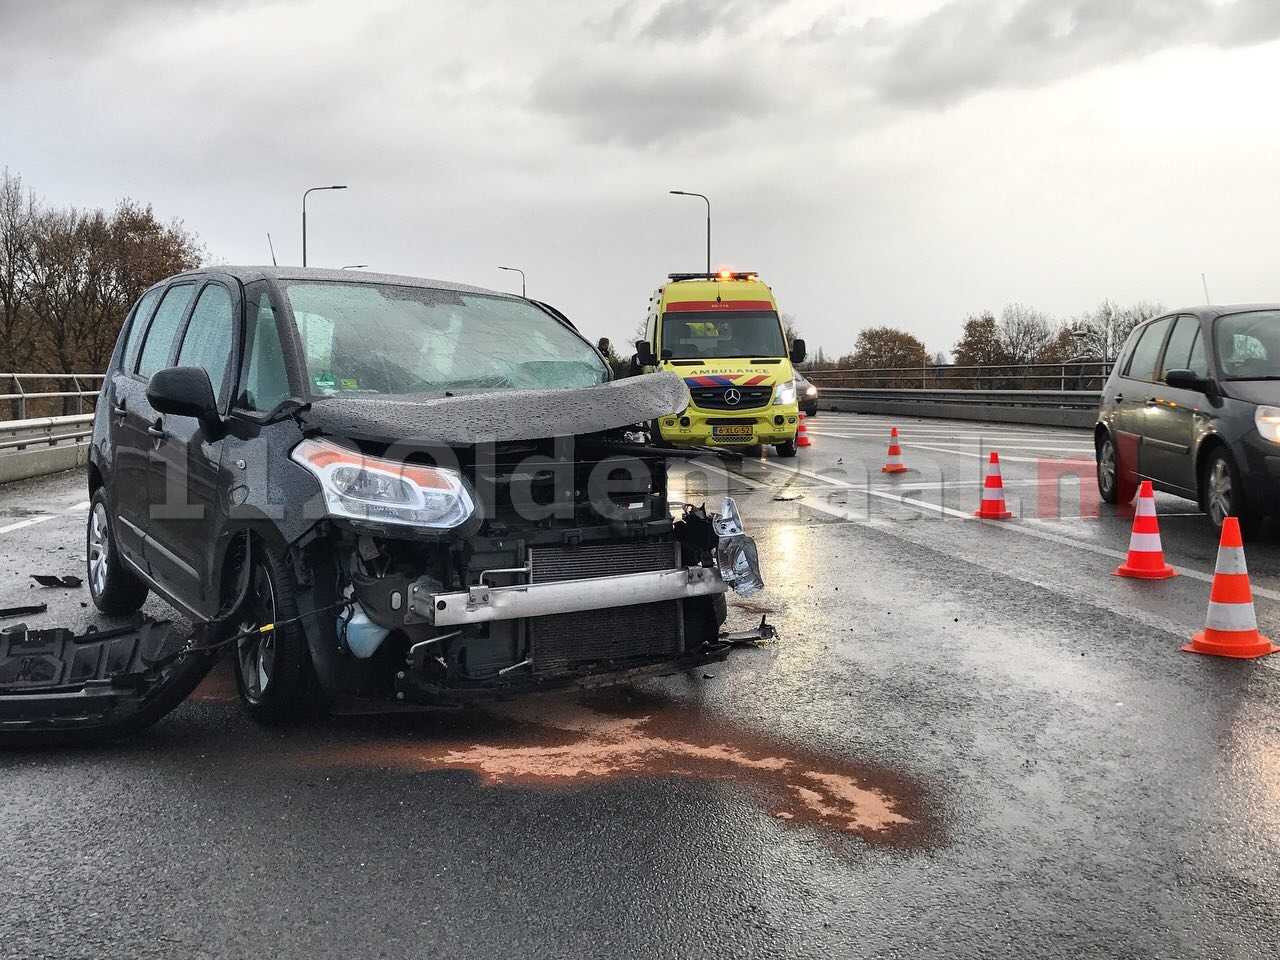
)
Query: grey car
[{"x": 1193, "y": 404}]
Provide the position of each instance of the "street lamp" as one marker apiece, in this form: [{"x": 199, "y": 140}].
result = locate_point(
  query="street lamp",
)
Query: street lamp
[
  {"x": 522, "y": 285},
  {"x": 686, "y": 193},
  {"x": 304, "y": 215}
]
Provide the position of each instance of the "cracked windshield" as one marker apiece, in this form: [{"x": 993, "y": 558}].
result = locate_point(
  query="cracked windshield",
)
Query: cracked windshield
[{"x": 386, "y": 339}]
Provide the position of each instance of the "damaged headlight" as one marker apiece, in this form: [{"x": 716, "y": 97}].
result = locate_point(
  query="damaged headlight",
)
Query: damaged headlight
[
  {"x": 362, "y": 487},
  {"x": 786, "y": 393},
  {"x": 736, "y": 552}
]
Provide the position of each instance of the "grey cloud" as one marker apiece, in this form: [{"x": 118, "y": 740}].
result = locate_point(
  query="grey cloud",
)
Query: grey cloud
[
  {"x": 967, "y": 47},
  {"x": 691, "y": 21},
  {"x": 644, "y": 106}
]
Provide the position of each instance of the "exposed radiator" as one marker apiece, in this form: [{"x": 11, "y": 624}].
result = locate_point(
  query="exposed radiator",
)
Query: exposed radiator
[{"x": 557, "y": 564}]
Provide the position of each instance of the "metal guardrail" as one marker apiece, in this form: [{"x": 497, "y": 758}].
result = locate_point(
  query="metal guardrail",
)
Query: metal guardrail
[
  {"x": 1068, "y": 376},
  {"x": 84, "y": 389},
  {"x": 1056, "y": 408},
  {"x": 1038, "y": 399},
  {"x": 44, "y": 431}
]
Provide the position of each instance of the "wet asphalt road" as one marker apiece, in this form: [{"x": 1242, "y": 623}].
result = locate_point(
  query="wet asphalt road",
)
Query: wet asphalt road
[{"x": 969, "y": 741}]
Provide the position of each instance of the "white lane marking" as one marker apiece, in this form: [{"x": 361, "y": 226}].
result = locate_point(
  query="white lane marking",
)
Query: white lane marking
[
  {"x": 80, "y": 506},
  {"x": 1010, "y": 526},
  {"x": 30, "y": 521}
]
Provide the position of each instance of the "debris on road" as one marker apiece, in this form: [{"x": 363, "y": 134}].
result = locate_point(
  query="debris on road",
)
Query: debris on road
[
  {"x": 50, "y": 580},
  {"x": 8, "y": 613}
]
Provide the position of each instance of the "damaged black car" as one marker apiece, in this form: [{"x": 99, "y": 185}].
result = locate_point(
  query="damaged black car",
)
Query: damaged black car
[{"x": 373, "y": 491}]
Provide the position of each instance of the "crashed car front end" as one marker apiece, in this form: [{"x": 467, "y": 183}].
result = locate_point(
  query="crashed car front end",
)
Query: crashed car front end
[{"x": 530, "y": 563}]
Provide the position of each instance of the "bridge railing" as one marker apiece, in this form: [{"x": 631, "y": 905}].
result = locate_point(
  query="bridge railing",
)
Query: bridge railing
[
  {"x": 1072, "y": 375},
  {"x": 32, "y": 395}
]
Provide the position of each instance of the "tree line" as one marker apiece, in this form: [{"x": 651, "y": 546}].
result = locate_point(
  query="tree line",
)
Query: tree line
[
  {"x": 1020, "y": 337},
  {"x": 68, "y": 277}
]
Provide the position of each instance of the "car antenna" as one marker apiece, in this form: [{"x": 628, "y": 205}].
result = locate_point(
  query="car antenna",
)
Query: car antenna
[
  {"x": 1205, "y": 284},
  {"x": 273, "y": 250}
]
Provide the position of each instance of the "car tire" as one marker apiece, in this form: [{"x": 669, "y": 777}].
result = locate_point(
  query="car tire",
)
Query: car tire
[
  {"x": 1108, "y": 467},
  {"x": 274, "y": 673},
  {"x": 787, "y": 449},
  {"x": 1222, "y": 494},
  {"x": 114, "y": 588}
]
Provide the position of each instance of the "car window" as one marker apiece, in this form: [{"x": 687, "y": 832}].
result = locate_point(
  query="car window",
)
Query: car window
[
  {"x": 1249, "y": 345},
  {"x": 164, "y": 327},
  {"x": 1198, "y": 362},
  {"x": 1177, "y": 355},
  {"x": 362, "y": 338},
  {"x": 138, "y": 326},
  {"x": 1142, "y": 364},
  {"x": 265, "y": 380},
  {"x": 210, "y": 335}
]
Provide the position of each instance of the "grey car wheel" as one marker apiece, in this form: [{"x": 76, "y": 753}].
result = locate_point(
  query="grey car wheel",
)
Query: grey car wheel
[
  {"x": 1222, "y": 495},
  {"x": 114, "y": 589},
  {"x": 255, "y": 651},
  {"x": 1108, "y": 471}
]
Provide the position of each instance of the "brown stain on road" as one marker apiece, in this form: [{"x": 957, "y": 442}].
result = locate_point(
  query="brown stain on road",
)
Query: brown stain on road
[{"x": 572, "y": 743}]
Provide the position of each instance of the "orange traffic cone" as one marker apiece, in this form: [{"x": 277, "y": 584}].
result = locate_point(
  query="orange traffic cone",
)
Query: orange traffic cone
[
  {"x": 993, "y": 507},
  {"x": 802, "y": 434},
  {"x": 1146, "y": 555},
  {"x": 894, "y": 464},
  {"x": 1230, "y": 628}
]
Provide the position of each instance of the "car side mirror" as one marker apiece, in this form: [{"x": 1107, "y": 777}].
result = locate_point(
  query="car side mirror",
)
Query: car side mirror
[
  {"x": 798, "y": 352},
  {"x": 1186, "y": 380},
  {"x": 644, "y": 354},
  {"x": 184, "y": 392}
]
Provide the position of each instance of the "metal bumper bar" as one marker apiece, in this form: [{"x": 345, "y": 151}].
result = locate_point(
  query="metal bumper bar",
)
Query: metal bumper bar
[{"x": 481, "y": 604}]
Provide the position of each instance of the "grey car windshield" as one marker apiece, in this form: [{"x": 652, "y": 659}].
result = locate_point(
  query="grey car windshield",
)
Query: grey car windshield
[
  {"x": 367, "y": 338},
  {"x": 719, "y": 333},
  {"x": 1249, "y": 345}
]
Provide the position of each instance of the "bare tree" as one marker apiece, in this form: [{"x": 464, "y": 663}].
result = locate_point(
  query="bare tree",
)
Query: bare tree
[
  {"x": 1024, "y": 333},
  {"x": 17, "y": 228}
]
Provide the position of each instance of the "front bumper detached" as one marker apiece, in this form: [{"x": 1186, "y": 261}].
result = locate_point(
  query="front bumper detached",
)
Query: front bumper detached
[{"x": 481, "y": 604}]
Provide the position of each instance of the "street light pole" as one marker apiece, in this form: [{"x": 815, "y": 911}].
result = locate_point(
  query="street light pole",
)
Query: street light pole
[
  {"x": 686, "y": 193},
  {"x": 522, "y": 283},
  {"x": 304, "y": 214}
]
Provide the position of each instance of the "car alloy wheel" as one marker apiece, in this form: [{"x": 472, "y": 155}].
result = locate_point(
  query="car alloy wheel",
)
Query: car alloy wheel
[
  {"x": 99, "y": 548},
  {"x": 1107, "y": 468},
  {"x": 1218, "y": 494},
  {"x": 256, "y": 651}
]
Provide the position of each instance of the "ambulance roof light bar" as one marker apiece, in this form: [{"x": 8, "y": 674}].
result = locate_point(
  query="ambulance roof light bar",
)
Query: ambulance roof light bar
[{"x": 722, "y": 275}]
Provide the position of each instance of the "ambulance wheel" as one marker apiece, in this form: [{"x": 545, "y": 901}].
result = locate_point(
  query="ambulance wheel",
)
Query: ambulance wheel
[{"x": 787, "y": 449}]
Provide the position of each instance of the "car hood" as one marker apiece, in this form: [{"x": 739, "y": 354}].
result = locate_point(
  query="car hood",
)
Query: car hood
[
  {"x": 1253, "y": 391},
  {"x": 498, "y": 415}
]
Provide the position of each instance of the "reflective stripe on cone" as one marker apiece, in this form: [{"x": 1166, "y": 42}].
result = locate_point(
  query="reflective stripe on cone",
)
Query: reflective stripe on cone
[
  {"x": 1231, "y": 626},
  {"x": 894, "y": 462},
  {"x": 1146, "y": 554},
  {"x": 802, "y": 434},
  {"x": 993, "y": 507}
]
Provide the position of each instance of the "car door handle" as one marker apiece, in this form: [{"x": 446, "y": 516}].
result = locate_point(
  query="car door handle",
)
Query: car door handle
[
  {"x": 155, "y": 430},
  {"x": 120, "y": 409}
]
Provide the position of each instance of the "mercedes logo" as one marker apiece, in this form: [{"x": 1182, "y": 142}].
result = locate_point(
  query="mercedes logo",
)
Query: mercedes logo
[{"x": 732, "y": 397}]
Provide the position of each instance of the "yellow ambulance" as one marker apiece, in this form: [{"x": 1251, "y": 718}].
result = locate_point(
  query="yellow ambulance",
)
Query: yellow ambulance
[{"x": 721, "y": 333}]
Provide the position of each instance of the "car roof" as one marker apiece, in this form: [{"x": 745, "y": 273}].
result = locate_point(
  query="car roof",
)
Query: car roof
[
  {"x": 246, "y": 274},
  {"x": 1218, "y": 310}
]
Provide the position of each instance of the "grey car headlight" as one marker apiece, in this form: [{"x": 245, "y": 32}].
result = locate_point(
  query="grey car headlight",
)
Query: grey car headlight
[
  {"x": 1267, "y": 420},
  {"x": 786, "y": 393},
  {"x": 361, "y": 487}
]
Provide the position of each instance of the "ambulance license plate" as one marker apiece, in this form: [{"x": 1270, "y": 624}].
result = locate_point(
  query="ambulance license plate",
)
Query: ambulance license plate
[{"x": 734, "y": 430}]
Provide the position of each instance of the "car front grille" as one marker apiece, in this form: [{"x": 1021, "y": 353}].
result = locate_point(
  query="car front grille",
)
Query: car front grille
[
  {"x": 713, "y": 398},
  {"x": 615, "y": 635},
  {"x": 557, "y": 564}
]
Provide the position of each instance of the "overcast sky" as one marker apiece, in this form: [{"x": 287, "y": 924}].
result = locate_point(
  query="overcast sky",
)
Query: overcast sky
[{"x": 904, "y": 162}]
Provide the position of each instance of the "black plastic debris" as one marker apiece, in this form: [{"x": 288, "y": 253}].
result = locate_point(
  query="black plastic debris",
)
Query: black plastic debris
[
  {"x": 761, "y": 633},
  {"x": 49, "y": 580},
  {"x": 57, "y": 686},
  {"x": 25, "y": 611}
]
